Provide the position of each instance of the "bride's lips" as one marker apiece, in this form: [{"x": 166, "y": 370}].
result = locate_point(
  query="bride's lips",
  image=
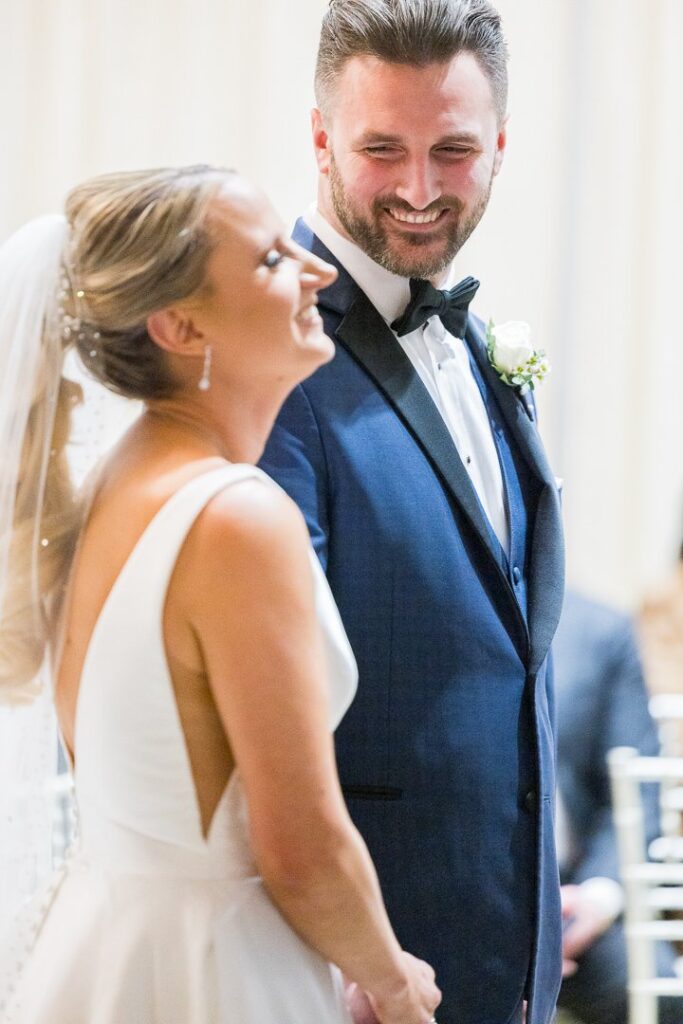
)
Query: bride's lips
[{"x": 309, "y": 315}]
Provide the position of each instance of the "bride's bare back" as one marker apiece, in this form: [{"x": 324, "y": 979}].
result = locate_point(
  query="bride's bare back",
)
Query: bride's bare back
[{"x": 136, "y": 482}]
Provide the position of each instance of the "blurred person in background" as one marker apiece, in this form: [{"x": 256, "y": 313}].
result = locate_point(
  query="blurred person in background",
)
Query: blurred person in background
[
  {"x": 661, "y": 631},
  {"x": 602, "y": 702}
]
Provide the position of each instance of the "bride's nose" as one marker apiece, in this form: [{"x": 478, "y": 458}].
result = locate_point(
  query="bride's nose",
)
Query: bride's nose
[{"x": 315, "y": 273}]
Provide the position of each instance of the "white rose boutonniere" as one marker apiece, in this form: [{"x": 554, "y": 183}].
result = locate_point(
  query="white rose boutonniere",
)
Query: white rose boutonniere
[{"x": 513, "y": 357}]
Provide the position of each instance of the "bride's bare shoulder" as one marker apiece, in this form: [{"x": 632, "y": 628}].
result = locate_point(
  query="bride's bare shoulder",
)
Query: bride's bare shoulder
[{"x": 252, "y": 514}]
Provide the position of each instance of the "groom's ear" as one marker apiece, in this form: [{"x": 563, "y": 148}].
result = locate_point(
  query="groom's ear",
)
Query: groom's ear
[
  {"x": 321, "y": 141},
  {"x": 501, "y": 142},
  {"x": 173, "y": 330}
]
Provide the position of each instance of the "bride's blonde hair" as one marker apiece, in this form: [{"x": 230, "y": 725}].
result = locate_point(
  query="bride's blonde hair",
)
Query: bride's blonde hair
[{"x": 137, "y": 242}]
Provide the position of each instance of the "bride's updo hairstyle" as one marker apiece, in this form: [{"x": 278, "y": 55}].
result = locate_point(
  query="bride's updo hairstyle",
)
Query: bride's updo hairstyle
[
  {"x": 139, "y": 242},
  {"x": 136, "y": 242}
]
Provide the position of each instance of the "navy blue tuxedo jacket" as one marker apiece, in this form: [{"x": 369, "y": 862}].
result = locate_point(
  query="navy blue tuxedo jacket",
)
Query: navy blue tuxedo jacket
[{"x": 446, "y": 756}]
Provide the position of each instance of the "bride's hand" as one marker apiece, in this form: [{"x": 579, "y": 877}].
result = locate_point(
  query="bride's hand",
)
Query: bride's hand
[{"x": 413, "y": 1001}]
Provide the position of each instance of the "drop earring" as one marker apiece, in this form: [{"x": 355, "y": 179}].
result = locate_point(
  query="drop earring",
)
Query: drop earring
[{"x": 205, "y": 380}]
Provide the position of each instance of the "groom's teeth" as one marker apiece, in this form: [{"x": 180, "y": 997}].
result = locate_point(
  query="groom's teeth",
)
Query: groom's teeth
[{"x": 415, "y": 218}]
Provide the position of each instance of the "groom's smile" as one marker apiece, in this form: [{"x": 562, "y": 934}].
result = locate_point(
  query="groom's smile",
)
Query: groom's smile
[{"x": 416, "y": 218}]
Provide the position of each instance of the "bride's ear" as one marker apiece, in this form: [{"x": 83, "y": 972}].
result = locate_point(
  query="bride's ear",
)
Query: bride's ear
[{"x": 174, "y": 331}]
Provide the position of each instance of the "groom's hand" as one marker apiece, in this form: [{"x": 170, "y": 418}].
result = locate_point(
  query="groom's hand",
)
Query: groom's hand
[{"x": 359, "y": 1005}]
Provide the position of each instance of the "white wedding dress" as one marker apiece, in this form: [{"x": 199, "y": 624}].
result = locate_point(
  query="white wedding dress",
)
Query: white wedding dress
[{"x": 151, "y": 923}]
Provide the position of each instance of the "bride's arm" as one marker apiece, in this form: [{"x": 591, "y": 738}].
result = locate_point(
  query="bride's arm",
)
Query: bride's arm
[{"x": 253, "y": 611}]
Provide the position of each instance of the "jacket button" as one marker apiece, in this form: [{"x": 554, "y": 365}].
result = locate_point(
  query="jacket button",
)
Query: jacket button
[
  {"x": 530, "y": 800},
  {"x": 516, "y": 573}
]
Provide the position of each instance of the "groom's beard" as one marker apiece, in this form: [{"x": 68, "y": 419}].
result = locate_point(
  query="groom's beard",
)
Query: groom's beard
[{"x": 406, "y": 257}]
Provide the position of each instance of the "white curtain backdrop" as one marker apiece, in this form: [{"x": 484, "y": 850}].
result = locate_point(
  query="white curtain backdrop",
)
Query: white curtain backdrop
[
  {"x": 583, "y": 237},
  {"x": 590, "y": 214}
]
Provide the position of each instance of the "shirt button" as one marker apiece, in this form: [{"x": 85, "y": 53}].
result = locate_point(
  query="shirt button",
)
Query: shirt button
[
  {"x": 516, "y": 574},
  {"x": 530, "y": 800}
]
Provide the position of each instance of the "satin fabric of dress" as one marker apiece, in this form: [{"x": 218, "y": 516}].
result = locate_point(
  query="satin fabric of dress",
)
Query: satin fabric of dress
[{"x": 152, "y": 922}]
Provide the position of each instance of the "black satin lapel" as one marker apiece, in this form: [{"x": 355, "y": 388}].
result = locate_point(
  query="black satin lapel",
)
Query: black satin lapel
[
  {"x": 546, "y": 575},
  {"x": 365, "y": 334},
  {"x": 546, "y": 570},
  {"x": 512, "y": 407}
]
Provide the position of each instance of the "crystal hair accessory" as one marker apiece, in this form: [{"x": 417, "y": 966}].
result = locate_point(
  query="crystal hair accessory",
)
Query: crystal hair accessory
[
  {"x": 73, "y": 327},
  {"x": 70, "y": 325}
]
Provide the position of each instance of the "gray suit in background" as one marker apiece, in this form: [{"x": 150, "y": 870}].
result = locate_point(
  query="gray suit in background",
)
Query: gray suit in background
[{"x": 601, "y": 703}]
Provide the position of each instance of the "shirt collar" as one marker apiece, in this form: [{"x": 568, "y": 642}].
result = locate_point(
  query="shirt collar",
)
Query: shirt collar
[{"x": 388, "y": 293}]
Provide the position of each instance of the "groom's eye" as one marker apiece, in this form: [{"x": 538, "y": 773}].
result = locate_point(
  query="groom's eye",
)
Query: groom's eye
[
  {"x": 381, "y": 151},
  {"x": 454, "y": 152}
]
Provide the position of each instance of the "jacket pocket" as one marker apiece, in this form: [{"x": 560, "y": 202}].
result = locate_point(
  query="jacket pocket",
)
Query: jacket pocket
[{"x": 372, "y": 792}]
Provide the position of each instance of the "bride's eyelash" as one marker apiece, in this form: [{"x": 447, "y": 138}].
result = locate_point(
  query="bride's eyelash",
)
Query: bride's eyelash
[{"x": 273, "y": 258}]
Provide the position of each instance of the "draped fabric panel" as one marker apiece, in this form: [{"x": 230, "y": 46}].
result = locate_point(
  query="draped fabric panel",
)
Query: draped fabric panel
[{"x": 584, "y": 233}]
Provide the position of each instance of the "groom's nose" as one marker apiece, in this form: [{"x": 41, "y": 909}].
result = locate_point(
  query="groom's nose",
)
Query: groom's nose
[{"x": 420, "y": 183}]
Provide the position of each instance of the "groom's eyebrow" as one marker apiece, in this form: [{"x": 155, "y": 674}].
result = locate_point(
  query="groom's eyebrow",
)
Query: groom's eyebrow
[
  {"x": 376, "y": 138},
  {"x": 463, "y": 138},
  {"x": 459, "y": 138}
]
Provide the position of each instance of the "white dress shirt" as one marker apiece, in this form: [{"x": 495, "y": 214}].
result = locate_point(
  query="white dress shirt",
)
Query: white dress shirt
[{"x": 442, "y": 362}]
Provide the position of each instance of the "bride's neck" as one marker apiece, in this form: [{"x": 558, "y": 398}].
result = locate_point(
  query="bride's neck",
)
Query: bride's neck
[{"x": 231, "y": 429}]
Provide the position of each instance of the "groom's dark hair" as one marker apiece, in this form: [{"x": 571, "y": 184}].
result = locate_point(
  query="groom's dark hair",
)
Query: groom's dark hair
[{"x": 414, "y": 32}]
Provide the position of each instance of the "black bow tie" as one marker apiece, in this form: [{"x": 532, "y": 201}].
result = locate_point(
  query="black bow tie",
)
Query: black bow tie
[{"x": 426, "y": 301}]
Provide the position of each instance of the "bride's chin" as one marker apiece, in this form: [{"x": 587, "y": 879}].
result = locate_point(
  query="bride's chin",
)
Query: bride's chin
[
  {"x": 315, "y": 343},
  {"x": 325, "y": 348}
]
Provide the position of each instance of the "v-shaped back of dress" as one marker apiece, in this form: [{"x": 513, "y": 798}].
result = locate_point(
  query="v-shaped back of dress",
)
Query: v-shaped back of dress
[
  {"x": 134, "y": 784},
  {"x": 150, "y": 923}
]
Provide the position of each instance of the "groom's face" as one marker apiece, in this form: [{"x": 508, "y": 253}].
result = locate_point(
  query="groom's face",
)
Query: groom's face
[{"x": 407, "y": 156}]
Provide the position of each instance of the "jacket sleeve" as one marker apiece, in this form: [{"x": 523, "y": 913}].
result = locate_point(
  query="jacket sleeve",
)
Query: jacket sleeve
[
  {"x": 294, "y": 457},
  {"x": 626, "y": 722}
]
